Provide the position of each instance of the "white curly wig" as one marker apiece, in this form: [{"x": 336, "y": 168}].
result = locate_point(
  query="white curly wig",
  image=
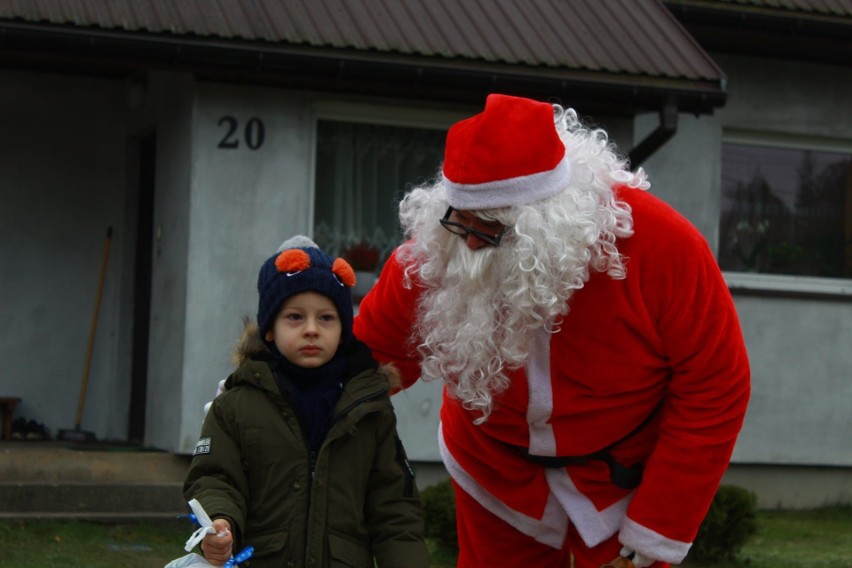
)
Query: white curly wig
[{"x": 480, "y": 307}]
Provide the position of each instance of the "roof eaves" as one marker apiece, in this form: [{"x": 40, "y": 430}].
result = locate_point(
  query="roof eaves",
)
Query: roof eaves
[
  {"x": 830, "y": 12},
  {"x": 343, "y": 69},
  {"x": 759, "y": 29}
]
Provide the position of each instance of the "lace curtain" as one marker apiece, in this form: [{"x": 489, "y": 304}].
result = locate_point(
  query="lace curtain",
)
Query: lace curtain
[{"x": 362, "y": 172}]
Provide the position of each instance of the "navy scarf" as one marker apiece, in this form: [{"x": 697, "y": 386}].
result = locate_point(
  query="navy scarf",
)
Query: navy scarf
[{"x": 314, "y": 393}]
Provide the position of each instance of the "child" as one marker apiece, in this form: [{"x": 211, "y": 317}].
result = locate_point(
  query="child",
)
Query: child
[{"x": 299, "y": 456}]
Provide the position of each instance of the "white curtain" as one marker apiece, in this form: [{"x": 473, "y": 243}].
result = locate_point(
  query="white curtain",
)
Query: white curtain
[{"x": 363, "y": 170}]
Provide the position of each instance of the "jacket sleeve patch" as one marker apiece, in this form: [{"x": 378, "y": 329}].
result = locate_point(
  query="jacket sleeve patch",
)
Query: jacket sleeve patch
[{"x": 202, "y": 447}]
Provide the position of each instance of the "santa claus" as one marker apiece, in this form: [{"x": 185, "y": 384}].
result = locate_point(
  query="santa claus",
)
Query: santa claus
[{"x": 594, "y": 368}]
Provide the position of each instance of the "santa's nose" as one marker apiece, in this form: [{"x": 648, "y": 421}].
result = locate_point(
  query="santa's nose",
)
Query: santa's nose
[{"x": 473, "y": 242}]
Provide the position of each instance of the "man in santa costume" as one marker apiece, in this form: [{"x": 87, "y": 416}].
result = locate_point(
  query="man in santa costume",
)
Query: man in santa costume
[{"x": 594, "y": 367}]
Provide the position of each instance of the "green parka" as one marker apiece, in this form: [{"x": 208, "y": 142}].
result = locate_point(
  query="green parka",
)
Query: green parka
[{"x": 353, "y": 502}]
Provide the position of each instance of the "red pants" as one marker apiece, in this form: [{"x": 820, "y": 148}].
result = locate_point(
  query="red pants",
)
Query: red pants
[{"x": 485, "y": 541}]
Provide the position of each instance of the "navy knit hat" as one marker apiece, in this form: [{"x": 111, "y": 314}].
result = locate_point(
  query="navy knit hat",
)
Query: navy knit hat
[{"x": 300, "y": 266}]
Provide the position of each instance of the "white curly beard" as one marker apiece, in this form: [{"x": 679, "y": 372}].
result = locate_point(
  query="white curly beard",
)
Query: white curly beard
[
  {"x": 480, "y": 307},
  {"x": 477, "y": 325}
]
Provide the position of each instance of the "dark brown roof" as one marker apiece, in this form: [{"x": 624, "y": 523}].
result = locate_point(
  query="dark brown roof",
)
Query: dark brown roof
[
  {"x": 799, "y": 8},
  {"x": 629, "y": 53},
  {"x": 817, "y": 31}
]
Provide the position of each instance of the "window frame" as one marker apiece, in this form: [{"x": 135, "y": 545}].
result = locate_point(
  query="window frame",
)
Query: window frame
[
  {"x": 781, "y": 284},
  {"x": 367, "y": 113},
  {"x": 398, "y": 115}
]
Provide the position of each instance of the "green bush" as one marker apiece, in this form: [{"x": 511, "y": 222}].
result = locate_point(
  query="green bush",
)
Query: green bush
[
  {"x": 730, "y": 522},
  {"x": 439, "y": 513}
]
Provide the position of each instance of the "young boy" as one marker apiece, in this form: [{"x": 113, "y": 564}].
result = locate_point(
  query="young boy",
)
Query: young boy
[{"x": 299, "y": 456}]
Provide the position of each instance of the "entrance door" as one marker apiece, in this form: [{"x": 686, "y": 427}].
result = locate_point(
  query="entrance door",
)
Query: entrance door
[{"x": 142, "y": 288}]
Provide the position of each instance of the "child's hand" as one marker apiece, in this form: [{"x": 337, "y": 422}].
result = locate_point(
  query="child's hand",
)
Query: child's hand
[{"x": 217, "y": 546}]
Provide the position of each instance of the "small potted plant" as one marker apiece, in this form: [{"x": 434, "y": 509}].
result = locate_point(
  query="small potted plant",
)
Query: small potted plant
[{"x": 364, "y": 259}]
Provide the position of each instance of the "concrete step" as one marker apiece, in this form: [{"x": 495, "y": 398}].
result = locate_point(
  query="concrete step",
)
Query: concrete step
[
  {"x": 54, "y": 462},
  {"x": 75, "y": 499},
  {"x": 60, "y": 480}
]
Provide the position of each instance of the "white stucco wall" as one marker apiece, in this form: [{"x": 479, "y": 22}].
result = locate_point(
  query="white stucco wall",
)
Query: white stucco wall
[
  {"x": 684, "y": 172},
  {"x": 243, "y": 203},
  {"x": 802, "y": 392}
]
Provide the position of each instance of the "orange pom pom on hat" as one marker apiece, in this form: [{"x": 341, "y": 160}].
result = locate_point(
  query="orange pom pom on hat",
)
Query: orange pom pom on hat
[
  {"x": 508, "y": 154},
  {"x": 300, "y": 266}
]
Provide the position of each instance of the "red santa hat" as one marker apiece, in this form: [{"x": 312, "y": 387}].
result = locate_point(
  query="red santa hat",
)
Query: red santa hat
[{"x": 508, "y": 154}]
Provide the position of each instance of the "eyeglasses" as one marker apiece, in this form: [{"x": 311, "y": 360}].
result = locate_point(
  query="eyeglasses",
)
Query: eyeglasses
[{"x": 464, "y": 230}]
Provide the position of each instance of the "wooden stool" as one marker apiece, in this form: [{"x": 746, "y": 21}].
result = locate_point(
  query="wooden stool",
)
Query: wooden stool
[{"x": 7, "y": 406}]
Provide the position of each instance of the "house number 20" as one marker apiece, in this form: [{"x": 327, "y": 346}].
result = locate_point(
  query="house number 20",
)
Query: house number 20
[{"x": 253, "y": 133}]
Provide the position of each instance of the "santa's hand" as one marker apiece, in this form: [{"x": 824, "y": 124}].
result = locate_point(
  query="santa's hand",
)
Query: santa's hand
[
  {"x": 619, "y": 562},
  {"x": 629, "y": 559},
  {"x": 217, "y": 547}
]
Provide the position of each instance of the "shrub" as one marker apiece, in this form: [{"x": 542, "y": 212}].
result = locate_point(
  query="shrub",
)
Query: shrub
[
  {"x": 730, "y": 522},
  {"x": 439, "y": 513}
]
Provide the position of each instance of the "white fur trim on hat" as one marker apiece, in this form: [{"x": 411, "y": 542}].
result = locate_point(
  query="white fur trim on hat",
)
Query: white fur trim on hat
[{"x": 508, "y": 192}]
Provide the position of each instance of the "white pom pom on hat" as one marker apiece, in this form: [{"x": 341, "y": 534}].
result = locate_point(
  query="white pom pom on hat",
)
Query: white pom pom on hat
[{"x": 508, "y": 154}]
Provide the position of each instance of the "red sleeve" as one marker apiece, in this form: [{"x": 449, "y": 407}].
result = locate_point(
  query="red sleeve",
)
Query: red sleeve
[
  {"x": 708, "y": 389},
  {"x": 385, "y": 318}
]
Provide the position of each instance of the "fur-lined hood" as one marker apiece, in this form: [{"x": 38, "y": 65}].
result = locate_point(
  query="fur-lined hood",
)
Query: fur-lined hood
[{"x": 250, "y": 344}]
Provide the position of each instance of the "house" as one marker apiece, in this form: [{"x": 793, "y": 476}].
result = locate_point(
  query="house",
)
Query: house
[
  {"x": 782, "y": 200},
  {"x": 153, "y": 153}
]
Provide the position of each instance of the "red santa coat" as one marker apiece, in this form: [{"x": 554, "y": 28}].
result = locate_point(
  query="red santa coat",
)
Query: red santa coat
[{"x": 664, "y": 342}]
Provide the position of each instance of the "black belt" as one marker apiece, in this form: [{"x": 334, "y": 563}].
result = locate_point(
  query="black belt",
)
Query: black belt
[
  {"x": 621, "y": 475},
  {"x": 625, "y": 477}
]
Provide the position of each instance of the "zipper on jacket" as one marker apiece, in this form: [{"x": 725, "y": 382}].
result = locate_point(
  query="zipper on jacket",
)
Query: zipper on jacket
[{"x": 312, "y": 465}]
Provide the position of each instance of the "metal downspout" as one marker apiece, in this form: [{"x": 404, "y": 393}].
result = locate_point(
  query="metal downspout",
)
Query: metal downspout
[{"x": 653, "y": 142}]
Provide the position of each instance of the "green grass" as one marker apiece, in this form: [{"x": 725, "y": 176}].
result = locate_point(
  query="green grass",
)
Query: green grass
[
  {"x": 786, "y": 539},
  {"x": 77, "y": 544},
  {"x": 809, "y": 539}
]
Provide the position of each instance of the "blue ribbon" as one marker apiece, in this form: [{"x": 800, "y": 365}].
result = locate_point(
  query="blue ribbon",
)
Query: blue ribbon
[
  {"x": 244, "y": 555},
  {"x": 191, "y": 517}
]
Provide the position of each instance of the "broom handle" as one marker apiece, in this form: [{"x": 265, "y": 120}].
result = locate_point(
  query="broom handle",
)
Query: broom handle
[{"x": 91, "y": 346}]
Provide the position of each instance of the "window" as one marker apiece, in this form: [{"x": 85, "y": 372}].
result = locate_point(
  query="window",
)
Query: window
[
  {"x": 362, "y": 172},
  {"x": 786, "y": 211}
]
